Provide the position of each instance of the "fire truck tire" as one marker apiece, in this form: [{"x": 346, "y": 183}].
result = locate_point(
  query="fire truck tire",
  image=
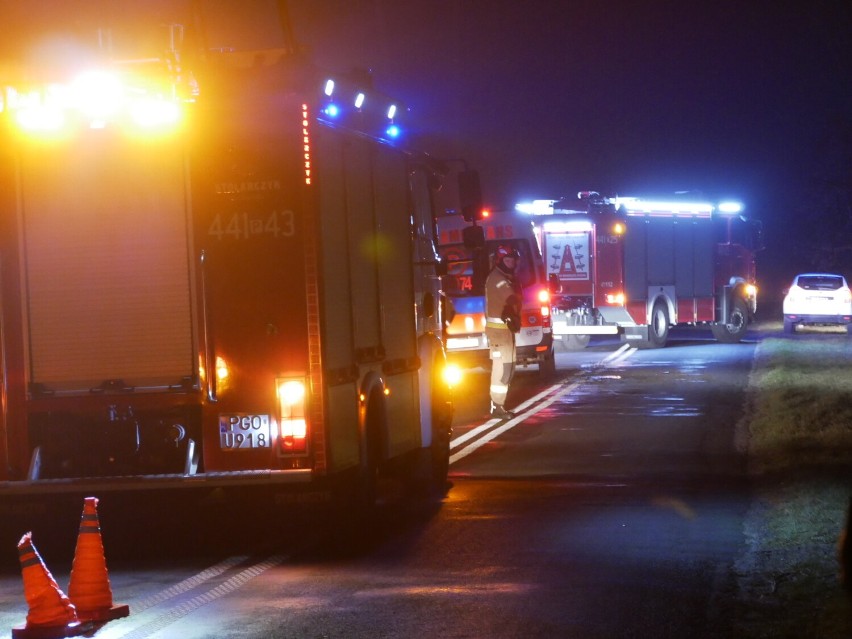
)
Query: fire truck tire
[
  {"x": 356, "y": 508},
  {"x": 429, "y": 471},
  {"x": 547, "y": 363},
  {"x": 570, "y": 343},
  {"x": 442, "y": 432},
  {"x": 440, "y": 459},
  {"x": 789, "y": 326},
  {"x": 576, "y": 342},
  {"x": 736, "y": 324},
  {"x": 658, "y": 329}
]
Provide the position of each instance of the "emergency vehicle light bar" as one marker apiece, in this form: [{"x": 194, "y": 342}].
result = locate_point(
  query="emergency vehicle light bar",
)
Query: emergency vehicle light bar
[
  {"x": 94, "y": 98},
  {"x": 536, "y": 207},
  {"x": 730, "y": 207},
  {"x": 574, "y": 226},
  {"x": 377, "y": 112},
  {"x": 636, "y": 206}
]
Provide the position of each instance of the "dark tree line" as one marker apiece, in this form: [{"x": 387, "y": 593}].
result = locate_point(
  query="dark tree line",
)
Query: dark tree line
[{"x": 823, "y": 215}]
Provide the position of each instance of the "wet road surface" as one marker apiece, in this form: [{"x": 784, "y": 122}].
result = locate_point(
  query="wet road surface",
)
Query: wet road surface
[{"x": 612, "y": 507}]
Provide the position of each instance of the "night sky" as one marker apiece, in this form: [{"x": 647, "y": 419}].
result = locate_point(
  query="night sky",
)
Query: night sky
[
  {"x": 551, "y": 97},
  {"x": 730, "y": 99},
  {"x": 750, "y": 99}
]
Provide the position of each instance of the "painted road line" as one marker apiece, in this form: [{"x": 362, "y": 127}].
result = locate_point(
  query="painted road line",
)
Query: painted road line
[
  {"x": 487, "y": 437},
  {"x": 538, "y": 403},
  {"x": 621, "y": 355},
  {"x": 624, "y": 351},
  {"x": 188, "y": 584},
  {"x": 175, "y": 607},
  {"x": 461, "y": 439}
]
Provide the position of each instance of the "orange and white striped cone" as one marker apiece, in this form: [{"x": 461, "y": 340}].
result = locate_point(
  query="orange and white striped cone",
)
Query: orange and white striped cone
[
  {"x": 89, "y": 588},
  {"x": 51, "y": 614}
]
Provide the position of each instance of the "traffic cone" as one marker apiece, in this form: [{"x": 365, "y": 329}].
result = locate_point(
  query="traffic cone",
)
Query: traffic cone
[
  {"x": 51, "y": 614},
  {"x": 89, "y": 588}
]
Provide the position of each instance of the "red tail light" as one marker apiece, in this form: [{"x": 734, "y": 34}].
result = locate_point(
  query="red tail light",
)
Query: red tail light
[{"x": 544, "y": 301}]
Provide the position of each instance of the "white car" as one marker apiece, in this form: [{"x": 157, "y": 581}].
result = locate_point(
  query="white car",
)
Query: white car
[{"x": 818, "y": 299}]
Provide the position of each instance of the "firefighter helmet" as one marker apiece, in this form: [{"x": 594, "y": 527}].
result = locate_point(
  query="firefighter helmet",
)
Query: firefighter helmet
[{"x": 503, "y": 251}]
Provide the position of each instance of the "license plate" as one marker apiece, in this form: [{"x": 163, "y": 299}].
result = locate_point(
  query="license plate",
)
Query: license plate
[
  {"x": 462, "y": 342},
  {"x": 244, "y": 432}
]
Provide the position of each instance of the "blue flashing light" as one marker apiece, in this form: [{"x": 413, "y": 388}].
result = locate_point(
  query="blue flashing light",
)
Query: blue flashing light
[
  {"x": 393, "y": 131},
  {"x": 331, "y": 110}
]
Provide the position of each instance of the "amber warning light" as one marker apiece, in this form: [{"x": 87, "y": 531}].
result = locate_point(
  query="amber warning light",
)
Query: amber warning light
[
  {"x": 94, "y": 99},
  {"x": 292, "y": 425}
]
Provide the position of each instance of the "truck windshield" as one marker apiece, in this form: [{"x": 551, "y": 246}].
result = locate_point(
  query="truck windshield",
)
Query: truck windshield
[{"x": 463, "y": 277}]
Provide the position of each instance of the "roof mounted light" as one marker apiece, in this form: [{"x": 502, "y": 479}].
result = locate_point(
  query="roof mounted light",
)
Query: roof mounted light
[
  {"x": 536, "y": 207},
  {"x": 96, "y": 99},
  {"x": 730, "y": 207},
  {"x": 568, "y": 226},
  {"x": 98, "y": 94},
  {"x": 35, "y": 116},
  {"x": 659, "y": 207}
]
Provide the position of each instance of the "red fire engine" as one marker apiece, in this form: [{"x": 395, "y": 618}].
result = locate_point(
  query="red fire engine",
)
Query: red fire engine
[
  {"x": 637, "y": 267},
  {"x": 218, "y": 269}
]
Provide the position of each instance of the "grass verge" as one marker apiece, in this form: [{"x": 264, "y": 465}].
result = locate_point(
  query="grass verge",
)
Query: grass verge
[{"x": 800, "y": 454}]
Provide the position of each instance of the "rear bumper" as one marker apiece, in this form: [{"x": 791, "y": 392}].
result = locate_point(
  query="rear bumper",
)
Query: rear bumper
[
  {"x": 202, "y": 481},
  {"x": 531, "y": 345},
  {"x": 834, "y": 320}
]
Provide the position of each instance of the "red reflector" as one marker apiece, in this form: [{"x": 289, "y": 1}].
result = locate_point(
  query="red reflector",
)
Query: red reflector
[{"x": 292, "y": 444}]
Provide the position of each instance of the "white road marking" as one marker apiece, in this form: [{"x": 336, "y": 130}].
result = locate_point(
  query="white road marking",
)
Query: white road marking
[
  {"x": 169, "y": 606},
  {"x": 486, "y": 432}
]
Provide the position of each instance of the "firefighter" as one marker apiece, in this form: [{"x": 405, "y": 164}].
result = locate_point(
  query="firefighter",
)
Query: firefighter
[{"x": 503, "y": 297}]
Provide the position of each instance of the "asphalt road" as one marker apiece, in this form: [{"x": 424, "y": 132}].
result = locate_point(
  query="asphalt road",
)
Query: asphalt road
[{"x": 611, "y": 507}]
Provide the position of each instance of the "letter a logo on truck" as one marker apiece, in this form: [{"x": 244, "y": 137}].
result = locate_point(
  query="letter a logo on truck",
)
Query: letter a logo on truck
[{"x": 569, "y": 256}]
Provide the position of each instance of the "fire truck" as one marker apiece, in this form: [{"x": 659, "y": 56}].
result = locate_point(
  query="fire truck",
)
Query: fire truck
[
  {"x": 468, "y": 264},
  {"x": 219, "y": 268},
  {"x": 635, "y": 267}
]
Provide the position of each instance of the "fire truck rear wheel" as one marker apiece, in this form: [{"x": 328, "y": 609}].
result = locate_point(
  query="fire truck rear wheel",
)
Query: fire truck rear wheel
[
  {"x": 547, "y": 363},
  {"x": 736, "y": 324},
  {"x": 658, "y": 329},
  {"x": 357, "y": 501},
  {"x": 576, "y": 342},
  {"x": 440, "y": 458},
  {"x": 442, "y": 431}
]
